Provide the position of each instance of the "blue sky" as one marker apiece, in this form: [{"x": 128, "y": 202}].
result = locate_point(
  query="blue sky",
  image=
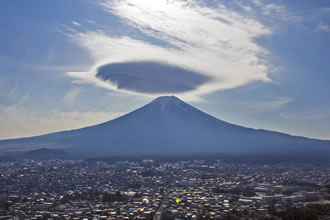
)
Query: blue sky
[{"x": 66, "y": 64}]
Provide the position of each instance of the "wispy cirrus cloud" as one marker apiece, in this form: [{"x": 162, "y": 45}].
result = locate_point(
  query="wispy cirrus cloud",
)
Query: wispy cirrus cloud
[
  {"x": 76, "y": 23},
  {"x": 280, "y": 12},
  {"x": 323, "y": 27},
  {"x": 217, "y": 42},
  {"x": 271, "y": 104}
]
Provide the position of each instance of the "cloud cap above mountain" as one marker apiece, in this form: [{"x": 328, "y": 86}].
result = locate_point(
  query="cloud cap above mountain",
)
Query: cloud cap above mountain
[
  {"x": 215, "y": 41},
  {"x": 151, "y": 77}
]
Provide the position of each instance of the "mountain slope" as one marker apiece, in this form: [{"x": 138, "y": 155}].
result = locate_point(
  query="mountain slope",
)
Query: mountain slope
[{"x": 168, "y": 125}]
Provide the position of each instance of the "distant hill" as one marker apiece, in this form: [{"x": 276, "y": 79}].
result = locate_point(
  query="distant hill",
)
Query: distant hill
[
  {"x": 6, "y": 158},
  {"x": 169, "y": 125},
  {"x": 44, "y": 153}
]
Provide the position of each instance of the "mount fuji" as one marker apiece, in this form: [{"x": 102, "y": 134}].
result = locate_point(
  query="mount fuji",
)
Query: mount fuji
[{"x": 169, "y": 125}]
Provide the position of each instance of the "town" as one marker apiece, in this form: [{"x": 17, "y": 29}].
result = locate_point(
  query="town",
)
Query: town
[{"x": 151, "y": 189}]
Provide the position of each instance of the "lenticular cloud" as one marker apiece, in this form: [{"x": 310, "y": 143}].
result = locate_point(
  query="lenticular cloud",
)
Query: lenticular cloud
[
  {"x": 216, "y": 44},
  {"x": 150, "y": 77}
]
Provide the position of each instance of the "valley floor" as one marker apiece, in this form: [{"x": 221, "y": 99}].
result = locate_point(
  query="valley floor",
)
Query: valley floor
[{"x": 151, "y": 189}]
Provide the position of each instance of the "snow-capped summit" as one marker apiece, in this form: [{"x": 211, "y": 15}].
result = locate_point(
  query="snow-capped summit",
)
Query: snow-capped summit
[
  {"x": 164, "y": 103},
  {"x": 167, "y": 99},
  {"x": 169, "y": 104}
]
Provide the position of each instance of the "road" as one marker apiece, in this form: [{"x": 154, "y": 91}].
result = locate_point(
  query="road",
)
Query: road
[{"x": 158, "y": 215}]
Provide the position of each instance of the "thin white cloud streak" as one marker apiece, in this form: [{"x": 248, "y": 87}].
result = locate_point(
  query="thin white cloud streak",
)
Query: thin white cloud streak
[
  {"x": 271, "y": 104},
  {"x": 280, "y": 12},
  {"x": 76, "y": 23},
  {"x": 19, "y": 122},
  {"x": 217, "y": 42},
  {"x": 323, "y": 27}
]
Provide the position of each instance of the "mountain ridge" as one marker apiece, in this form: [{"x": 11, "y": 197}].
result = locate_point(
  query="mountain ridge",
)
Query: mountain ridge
[
  {"x": 167, "y": 124},
  {"x": 159, "y": 98}
]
